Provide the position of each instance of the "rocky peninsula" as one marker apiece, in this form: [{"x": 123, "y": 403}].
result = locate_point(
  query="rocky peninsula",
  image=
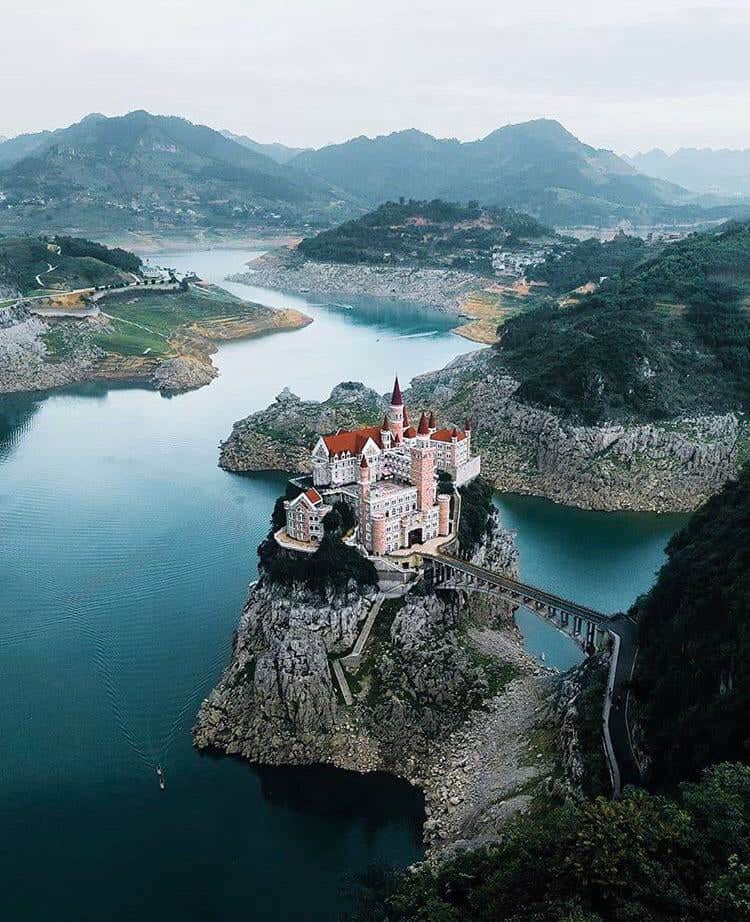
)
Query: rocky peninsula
[
  {"x": 444, "y": 696},
  {"x": 666, "y": 467},
  {"x": 46, "y": 345}
]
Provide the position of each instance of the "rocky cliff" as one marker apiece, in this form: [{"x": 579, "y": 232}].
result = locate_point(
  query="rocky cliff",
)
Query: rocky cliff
[
  {"x": 440, "y": 289},
  {"x": 444, "y": 695},
  {"x": 670, "y": 466}
]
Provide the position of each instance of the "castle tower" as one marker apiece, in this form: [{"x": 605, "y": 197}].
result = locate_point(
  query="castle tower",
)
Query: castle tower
[
  {"x": 378, "y": 535},
  {"x": 423, "y": 467},
  {"x": 363, "y": 508},
  {"x": 444, "y": 515},
  {"x": 395, "y": 413}
]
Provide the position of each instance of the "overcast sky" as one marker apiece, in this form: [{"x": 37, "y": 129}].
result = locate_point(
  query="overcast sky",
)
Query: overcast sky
[{"x": 628, "y": 75}]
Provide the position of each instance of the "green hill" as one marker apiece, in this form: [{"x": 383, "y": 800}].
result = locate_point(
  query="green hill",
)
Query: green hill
[
  {"x": 436, "y": 233},
  {"x": 693, "y": 671},
  {"x": 537, "y": 167},
  {"x": 667, "y": 336},
  {"x": 143, "y": 171},
  {"x": 62, "y": 263}
]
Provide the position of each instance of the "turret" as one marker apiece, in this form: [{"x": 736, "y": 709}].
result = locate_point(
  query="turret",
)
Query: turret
[
  {"x": 363, "y": 497},
  {"x": 396, "y": 413},
  {"x": 431, "y": 423},
  {"x": 423, "y": 430},
  {"x": 444, "y": 515}
]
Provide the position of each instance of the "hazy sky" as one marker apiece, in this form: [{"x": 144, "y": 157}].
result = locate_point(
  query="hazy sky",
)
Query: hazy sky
[{"x": 628, "y": 75}]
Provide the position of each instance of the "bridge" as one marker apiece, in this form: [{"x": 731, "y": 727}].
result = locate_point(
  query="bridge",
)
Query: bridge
[{"x": 588, "y": 627}]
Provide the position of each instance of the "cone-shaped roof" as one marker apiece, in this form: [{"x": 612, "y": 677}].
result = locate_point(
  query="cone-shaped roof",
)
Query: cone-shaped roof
[
  {"x": 431, "y": 422},
  {"x": 423, "y": 429},
  {"x": 396, "y": 399},
  {"x": 467, "y": 425},
  {"x": 385, "y": 427},
  {"x": 363, "y": 462}
]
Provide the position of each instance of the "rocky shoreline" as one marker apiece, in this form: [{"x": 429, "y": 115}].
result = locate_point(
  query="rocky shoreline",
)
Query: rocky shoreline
[
  {"x": 445, "y": 696},
  {"x": 670, "y": 467},
  {"x": 441, "y": 289},
  {"x": 27, "y": 364}
]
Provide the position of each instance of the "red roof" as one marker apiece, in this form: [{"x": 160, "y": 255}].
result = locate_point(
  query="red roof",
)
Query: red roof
[
  {"x": 410, "y": 433},
  {"x": 422, "y": 428},
  {"x": 431, "y": 422},
  {"x": 313, "y": 495},
  {"x": 363, "y": 463},
  {"x": 396, "y": 399},
  {"x": 445, "y": 435},
  {"x": 385, "y": 427},
  {"x": 353, "y": 440}
]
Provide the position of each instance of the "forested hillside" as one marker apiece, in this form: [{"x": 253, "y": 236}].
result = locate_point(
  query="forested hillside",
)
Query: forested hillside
[
  {"x": 667, "y": 336},
  {"x": 693, "y": 671},
  {"x": 435, "y": 233},
  {"x": 62, "y": 263}
]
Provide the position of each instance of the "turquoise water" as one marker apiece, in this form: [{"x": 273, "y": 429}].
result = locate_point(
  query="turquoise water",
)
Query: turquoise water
[
  {"x": 601, "y": 559},
  {"x": 126, "y": 555}
]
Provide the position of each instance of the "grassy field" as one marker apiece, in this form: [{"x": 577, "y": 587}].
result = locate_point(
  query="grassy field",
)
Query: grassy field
[
  {"x": 149, "y": 320},
  {"x": 167, "y": 323}
]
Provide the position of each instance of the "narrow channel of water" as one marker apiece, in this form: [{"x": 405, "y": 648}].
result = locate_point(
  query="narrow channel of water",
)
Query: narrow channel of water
[{"x": 126, "y": 555}]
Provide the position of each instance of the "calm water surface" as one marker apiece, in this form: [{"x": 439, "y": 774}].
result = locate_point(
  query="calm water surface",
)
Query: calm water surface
[{"x": 125, "y": 556}]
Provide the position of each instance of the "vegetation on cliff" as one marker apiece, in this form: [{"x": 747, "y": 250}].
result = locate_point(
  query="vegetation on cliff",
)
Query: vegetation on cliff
[
  {"x": 436, "y": 234},
  {"x": 330, "y": 567},
  {"x": 693, "y": 673},
  {"x": 644, "y": 857},
  {"x": 476, "y": 511},
  {"x": 668, "y": 337}
]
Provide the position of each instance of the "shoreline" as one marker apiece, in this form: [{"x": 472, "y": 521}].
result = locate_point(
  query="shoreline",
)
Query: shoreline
[
  {"x": 29, "y": 366},
  {"x": 481, "y": 303}
]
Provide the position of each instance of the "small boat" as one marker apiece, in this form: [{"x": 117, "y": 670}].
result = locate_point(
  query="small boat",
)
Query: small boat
[{"x": 160, "y": 776}]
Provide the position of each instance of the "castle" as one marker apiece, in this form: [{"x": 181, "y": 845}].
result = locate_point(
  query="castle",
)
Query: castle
[{"x": 388, "y": 474}]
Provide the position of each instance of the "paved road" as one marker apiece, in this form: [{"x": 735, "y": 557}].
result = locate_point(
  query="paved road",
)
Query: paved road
[{"x": 627, "y": 630}]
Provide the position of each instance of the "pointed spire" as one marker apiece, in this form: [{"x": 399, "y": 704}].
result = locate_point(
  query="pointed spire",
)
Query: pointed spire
[
  {"x": 454, "y": 433},
  {"x": 385, "y": 427},
  {"x": 396, "y": 399},
  {"x": 431, "y": 423},
  {"x": 423, "y": 430},
  {"x": 363, "y": 463},
  {"x": 467, "y": 425}
]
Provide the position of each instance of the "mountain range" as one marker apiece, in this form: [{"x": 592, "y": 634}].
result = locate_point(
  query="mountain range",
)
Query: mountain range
[
  {"x": 106, "y": 176},
  {"x": 142, "y": 171},
  {"x": 724, "y": 172},
  {"x": 535, "y": 166}
]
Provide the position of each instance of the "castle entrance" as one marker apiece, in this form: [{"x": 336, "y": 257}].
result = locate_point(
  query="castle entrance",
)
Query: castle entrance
[{"x": 415, "y": 537}]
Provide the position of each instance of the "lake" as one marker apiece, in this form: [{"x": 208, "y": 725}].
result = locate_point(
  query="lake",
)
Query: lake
[{"x": 126, "y": 555}]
